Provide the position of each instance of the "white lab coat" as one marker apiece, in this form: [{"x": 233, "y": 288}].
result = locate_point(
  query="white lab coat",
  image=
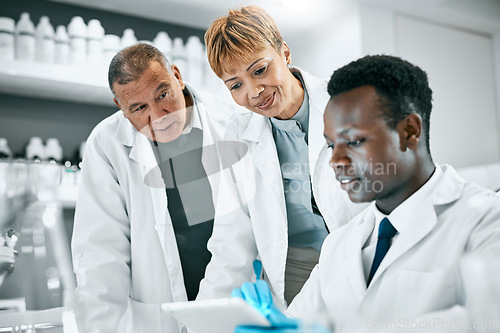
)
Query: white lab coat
[
  {"x": 124, "y": 249},
  {"x": 259, "y": 226},
  {"x": 418, "y": 278}
]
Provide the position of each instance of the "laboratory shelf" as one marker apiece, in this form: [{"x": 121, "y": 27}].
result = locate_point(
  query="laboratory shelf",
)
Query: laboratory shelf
[{"x": 79, "y": 84}]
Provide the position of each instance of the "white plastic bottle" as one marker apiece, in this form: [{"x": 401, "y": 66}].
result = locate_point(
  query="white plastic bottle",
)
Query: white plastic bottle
[
  {"x": 179, "y": 57},
  {"x": 95, "y": 40},
  {"x": 194, "y": 53},
  {"x": 25, "y": 38},
  {"x": 53, "y": 150},
  {"x": 7, "y": 39},
  {"x": 62, "y": 52},
  {"x": 77, "y": 31},
  {"x": 164, "y": 43},
  {"x": 111, "y": 46},
  {"x": 5, "y": 151},
  {"x": 128, "y": 38},
  {"x": 45, "y": 42},
  {"x": 35, "y": 149}
]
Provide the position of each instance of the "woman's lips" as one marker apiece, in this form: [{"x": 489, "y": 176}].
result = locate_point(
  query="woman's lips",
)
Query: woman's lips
[{"x": 266, "y": 103}]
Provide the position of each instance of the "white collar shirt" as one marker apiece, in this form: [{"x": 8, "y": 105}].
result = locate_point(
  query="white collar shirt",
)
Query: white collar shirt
[{"x": 399, "y": 218}]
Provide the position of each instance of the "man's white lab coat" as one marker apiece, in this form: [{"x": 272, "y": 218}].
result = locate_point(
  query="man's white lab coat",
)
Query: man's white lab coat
[
  {"x": 124, "y": 248},
  {"x": 419, "y": 278}
]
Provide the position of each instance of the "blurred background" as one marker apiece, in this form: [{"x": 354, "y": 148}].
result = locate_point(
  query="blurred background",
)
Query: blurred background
[
  {"x": 456, "y": 41},
  {"x": 53, "y": 87}
]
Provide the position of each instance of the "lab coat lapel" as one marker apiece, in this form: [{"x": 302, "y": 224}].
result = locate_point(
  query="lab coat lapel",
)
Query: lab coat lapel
[
  {"x": 210, "y": 153},
  {"x": 317, "y": 106},
  {"x": 142, "y": 153},
  {"x": 354, "y": 259},
  {"x": 448, "y": 189},
  {"x": 420, "y": 226},
  {"x": 265, "y": 156},
  {"x": 318, "y": 98}
]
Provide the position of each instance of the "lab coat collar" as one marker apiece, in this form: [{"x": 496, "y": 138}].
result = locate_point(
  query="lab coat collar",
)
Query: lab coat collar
[
  {"x": 125, "y": 132},
  {"x": 448, "y": 189},
  {"x": 255, "y": 127},
  {"x": 318, "y": 98},
  {"x": 141, "y": 151},
  {"x": 265, "y": 156}
]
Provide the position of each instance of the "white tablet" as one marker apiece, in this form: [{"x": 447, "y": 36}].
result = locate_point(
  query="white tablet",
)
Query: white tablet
[{"x": 215, "y": 316}]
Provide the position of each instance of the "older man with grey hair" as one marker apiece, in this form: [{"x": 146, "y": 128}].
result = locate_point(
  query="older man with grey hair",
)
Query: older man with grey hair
[{"x": 146, "y": 201}]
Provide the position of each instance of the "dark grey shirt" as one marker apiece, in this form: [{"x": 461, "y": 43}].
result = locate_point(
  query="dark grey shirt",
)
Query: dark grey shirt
[{"x": 190, "y": 202}]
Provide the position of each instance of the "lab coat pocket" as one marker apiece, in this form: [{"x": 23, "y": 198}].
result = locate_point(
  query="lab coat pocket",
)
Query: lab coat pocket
[
  {"x": 420, "y": 292},
  {"x": 148, "y": 317}
]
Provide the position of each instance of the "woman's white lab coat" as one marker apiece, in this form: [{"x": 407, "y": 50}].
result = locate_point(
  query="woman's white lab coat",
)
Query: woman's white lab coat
[
  {"x": 124, "y": 248},
  {"x": 257, "y": 224}
]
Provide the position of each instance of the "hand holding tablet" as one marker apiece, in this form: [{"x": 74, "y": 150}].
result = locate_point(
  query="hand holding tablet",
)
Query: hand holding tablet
[{"x": 215, "y": 316}]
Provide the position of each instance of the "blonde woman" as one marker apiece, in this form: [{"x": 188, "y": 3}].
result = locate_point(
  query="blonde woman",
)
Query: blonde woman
[{"x": 284, "y": 223}]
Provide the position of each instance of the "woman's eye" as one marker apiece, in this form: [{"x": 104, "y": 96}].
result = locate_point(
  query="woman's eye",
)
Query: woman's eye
[
  {"x": 260, "y": 70},
  {"x": 140, "y": 108},
  {"x": 162, "y": 95},
  {"x": 236, "y": 86}
]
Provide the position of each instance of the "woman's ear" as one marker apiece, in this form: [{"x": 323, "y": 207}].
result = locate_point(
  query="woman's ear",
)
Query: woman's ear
[{"x": 286, "y": 53}]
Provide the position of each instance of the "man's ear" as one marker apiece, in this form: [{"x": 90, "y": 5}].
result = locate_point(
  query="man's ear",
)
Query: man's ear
[
  {"x": 177, "y": 74},
  {"x": 410, "y": 131}
]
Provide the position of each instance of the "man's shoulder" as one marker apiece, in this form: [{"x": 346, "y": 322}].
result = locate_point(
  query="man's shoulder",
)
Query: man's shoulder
[
  {"x": 470, "y": 194},
  {"x": 478, "y": 197},
  {"x": 108, "y": 126}
]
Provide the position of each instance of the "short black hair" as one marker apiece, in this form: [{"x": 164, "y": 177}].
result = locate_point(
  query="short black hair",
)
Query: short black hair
[
  {"x": 131, "y": 62},
  {"x": 402, "y": 86}
]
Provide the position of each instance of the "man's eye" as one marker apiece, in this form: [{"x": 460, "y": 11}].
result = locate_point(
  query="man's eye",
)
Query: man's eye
[
  {"x": 236, "y": 86},
  {"x": 162, "y": 95},
  {"x": 355, "y": 143},
  {"x": 140, "y": 108},
  {"x": 331, "y": 145}
]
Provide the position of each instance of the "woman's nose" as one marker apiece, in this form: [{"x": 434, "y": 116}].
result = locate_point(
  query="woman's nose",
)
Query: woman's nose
[{"x": 255, "y": 90}]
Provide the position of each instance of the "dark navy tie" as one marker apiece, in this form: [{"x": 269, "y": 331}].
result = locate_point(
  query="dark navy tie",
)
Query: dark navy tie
[{"x": 385, "y": 233}]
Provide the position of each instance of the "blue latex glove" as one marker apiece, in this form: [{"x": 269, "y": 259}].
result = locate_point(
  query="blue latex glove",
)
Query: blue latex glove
[
  {"x": 259, "y": 297},
  {"x": 257, "y": 268},
  {"x": 315, "y": 328}
]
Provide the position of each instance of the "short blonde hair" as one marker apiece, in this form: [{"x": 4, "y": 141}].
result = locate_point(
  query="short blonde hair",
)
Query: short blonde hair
[{"x": 238, "y": 35}]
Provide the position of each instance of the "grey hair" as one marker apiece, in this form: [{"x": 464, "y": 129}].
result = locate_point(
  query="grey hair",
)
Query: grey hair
[{"x": 131, "y": 62}]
